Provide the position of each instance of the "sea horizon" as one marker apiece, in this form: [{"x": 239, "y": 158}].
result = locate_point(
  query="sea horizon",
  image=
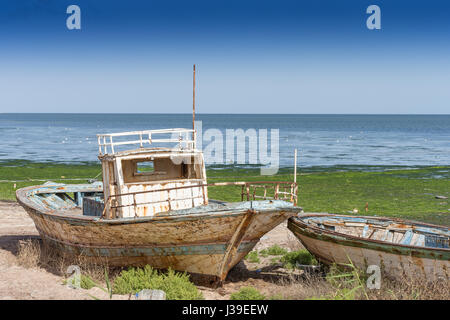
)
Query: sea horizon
[
  {"x": 231, "y": 113},
  {"x": 323, "y": 140}
]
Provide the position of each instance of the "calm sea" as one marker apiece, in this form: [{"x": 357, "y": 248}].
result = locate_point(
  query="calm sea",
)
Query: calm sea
[{"x": 322, "y": 140}]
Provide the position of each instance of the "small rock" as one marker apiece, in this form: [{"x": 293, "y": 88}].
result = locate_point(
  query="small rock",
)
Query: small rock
[
  {"x": 441, "y": 197},
  {"x": 221, "y": 291},
  {"x": 147, "y": 294}
]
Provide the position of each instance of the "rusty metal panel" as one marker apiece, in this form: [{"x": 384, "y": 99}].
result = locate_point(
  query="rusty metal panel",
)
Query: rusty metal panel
[{"x": 93, "y": 206}]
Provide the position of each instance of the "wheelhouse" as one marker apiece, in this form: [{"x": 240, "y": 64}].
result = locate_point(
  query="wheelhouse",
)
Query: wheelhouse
[{"x": 146, "y": 181}]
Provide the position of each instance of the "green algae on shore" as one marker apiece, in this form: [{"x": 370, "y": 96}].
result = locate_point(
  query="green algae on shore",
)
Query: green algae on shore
[{"x": 388, "y": 191}]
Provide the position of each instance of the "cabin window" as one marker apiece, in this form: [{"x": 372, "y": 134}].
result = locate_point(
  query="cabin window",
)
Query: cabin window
[
  {"x": 145, "y": 167},
  {"x": 154, "y": 169}
]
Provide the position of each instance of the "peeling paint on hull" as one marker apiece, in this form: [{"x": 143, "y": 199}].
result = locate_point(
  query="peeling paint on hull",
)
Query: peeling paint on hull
[
  {"x": 207, "y": 243},
  {"x": 394, "y": 259}
]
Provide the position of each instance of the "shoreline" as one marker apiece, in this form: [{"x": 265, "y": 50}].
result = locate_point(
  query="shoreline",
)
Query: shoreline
[
  {"x": 236, "y": 167},
  {"x": 408, "y": 193}
]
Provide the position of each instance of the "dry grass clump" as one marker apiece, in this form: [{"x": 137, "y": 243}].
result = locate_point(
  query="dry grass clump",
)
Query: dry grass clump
[
  {"x": 33, "y": 253},
  {"x": 93, "y": 270},
  {"x": 345, "y": 285},
  {"x": 408, "y": 288},
  {"x": 302, "y": 289},
  {"x": 29, "y": 253}
]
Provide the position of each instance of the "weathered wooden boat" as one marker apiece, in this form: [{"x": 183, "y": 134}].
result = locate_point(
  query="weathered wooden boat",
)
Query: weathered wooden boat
[
  {"x": 398, "y": 247},
  {"x": 157, "y": 214}
]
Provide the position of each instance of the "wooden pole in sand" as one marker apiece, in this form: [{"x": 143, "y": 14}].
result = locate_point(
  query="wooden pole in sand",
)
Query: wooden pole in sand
[{"x": 193, "y": 109}]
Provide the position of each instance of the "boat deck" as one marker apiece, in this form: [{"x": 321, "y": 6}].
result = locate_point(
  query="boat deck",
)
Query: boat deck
[{"x": 213, "y": 207}]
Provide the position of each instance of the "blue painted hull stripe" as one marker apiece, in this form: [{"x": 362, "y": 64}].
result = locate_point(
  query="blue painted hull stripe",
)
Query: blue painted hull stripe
[{"x": 199, "y": 249}]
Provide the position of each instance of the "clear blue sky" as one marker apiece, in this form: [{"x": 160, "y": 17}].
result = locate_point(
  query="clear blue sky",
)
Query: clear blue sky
[{"x": 253, "y": 56}]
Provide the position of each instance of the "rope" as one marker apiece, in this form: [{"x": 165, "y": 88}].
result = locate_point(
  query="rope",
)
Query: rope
[
  {"x": 48, "y": 179},
  {"x": 97, "y": 175}
]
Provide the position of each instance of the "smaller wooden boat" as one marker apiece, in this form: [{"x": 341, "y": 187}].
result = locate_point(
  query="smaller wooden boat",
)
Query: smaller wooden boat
[{"x": 398, "y": 247}]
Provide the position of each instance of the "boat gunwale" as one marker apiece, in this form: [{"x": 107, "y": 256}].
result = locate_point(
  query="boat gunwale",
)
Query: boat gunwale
[
  {"x": 314, "y": 231},
  {"x": 59, "y": 214}
]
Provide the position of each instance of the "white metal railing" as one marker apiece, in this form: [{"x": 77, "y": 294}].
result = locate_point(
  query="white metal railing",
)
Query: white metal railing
[
  {"x": 106, "y": 144},
  {"x": 248, "y": 192}
]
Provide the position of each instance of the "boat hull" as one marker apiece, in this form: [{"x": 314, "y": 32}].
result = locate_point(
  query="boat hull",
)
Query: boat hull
[
  {"x": 394, "y": 260},
  {"x": 206, "y": 243}
]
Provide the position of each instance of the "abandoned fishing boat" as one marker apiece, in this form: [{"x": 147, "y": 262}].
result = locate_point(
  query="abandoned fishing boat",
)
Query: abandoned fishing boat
[
  {"x": 159, "y": 213},
  {"x": 397, "y": 246}
]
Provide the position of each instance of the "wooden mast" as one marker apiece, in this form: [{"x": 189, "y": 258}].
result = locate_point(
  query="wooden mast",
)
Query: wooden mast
[{"x": 193, "y": 109}]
